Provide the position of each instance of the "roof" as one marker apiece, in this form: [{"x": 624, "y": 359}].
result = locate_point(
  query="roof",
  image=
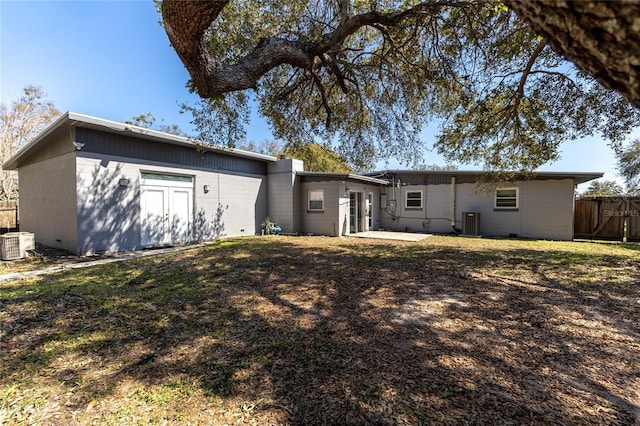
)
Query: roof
[
  {"x": 345, "y": 176},
  {"x": 80, "y": 120},
  {"x": 578, "y": 177}
]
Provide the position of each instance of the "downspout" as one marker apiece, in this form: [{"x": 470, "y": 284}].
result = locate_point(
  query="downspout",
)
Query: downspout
[{"x": 453, "y": 204}]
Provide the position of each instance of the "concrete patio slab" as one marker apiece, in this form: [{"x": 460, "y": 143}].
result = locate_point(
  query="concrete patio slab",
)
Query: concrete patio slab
[{"x": 389, "y": 235}]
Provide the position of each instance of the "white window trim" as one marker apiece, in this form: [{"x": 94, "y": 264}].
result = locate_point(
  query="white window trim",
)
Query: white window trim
[
  {"x": 510, "y": 188},
  {"x": 406, "y": 199},
  {"x": 321, "y": 191}
]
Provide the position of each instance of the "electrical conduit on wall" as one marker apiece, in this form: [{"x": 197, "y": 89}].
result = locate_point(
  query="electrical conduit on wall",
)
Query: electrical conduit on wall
[{"x": 453, "y": 202}]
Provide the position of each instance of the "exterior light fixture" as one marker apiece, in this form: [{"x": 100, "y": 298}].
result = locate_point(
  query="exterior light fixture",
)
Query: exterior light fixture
[{"x": 206, "y": 189}]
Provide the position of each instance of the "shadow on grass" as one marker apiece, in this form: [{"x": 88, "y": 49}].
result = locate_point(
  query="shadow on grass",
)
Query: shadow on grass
[{"x": 317, "y": 331}]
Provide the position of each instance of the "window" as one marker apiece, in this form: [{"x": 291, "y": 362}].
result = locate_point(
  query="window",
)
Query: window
[
  {"x": 316, "y": 200},
  {"x": 413, "y": 199},
  {"x": 506, "y": 198}
]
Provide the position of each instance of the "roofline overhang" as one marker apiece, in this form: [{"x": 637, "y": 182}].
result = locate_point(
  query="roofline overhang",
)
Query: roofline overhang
[
  {"x": 345, "y": 176},
  {"x": 73, "y": 119},
  {"x": 578, "y": 177}
]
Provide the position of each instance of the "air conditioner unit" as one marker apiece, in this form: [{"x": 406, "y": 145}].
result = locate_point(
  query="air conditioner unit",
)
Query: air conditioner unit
[
  {"x": 471, "y": 223},
  {"x": 14, "y": 245}
]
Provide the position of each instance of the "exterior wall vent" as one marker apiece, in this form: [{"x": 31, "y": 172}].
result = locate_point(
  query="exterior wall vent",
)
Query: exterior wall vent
[
  {"x": 471, "y": 223},
  {"x": 14, "y": 245}
]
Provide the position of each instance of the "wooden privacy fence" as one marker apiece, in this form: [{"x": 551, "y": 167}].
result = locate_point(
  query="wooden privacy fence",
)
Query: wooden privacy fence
[
  {"x": 607, "y": 218},
  {"x": 8, "y": 215}
]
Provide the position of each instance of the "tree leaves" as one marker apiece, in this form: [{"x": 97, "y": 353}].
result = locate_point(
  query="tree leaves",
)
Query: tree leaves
[
  {"x": 222, "y": 119},
  {"x": 604, "y": 188},
  {"x": 19, "y": 124},
  {"x": 629, "y": 165},
  {"x": 367, "y": 77}
]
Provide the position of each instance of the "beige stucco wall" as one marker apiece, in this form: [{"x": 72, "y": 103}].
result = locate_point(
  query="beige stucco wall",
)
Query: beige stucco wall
[
  {"x": 283, "y": 205},
  {"x": 48, "y": 201},
  {"x": 109, "y": 215},
  {"x": 334, "y": 220},
  {"x": 545, "y": 210}
]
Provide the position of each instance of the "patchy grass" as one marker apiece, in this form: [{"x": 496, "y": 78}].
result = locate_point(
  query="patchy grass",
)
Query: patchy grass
[
  {"x": 42, "y": 257},
  {"x": 280, "y": 330}
]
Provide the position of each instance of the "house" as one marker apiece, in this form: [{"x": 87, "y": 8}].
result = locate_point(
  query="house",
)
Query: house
[
  {"x": 443, "y": 201},
  {"x": 91, "y": 185}
]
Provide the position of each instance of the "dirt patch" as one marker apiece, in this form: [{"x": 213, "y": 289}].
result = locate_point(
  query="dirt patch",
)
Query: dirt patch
[{"x": 44, "y": 257}]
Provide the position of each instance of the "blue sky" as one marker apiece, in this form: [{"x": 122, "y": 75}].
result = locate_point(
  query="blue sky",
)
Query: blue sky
[{"x": 113, "y": 60}]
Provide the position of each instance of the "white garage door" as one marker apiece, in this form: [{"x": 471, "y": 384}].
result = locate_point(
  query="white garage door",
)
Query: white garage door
[{"x": 166, "y": 209}]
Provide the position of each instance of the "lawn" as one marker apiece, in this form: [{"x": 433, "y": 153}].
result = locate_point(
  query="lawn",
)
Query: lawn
[
  {"x": 312, "y": 330},
  {"x": 42, "y": 258}
]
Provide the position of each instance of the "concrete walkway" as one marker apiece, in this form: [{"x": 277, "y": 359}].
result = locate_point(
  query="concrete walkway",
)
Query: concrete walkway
[
  {"x": 117, "y": 257},
  {"x": 389, "y": 235}
]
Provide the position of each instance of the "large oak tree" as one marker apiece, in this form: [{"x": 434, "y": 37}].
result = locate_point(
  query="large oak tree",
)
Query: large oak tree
[
  {"x": 371, "y": 74},
  {"x": 602, "y": 38}
]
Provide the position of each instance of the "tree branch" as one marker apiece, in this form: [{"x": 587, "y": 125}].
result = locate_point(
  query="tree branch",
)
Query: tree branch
[
  {"x": 557, "y": 74},
  {"x": 186, "y": 22},
  {"x": 601, "y": 38},
  {"x": 344, "y": 9},
  {"x": 323, "y": 94},
  {"x": 519, "y": 94},
  {"x": 527, "y": 69}
]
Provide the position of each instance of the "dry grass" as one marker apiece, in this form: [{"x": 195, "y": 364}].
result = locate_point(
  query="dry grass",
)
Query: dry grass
[
  {"x": 279, "y": 330},
  {"x": 43, "y": 257}
]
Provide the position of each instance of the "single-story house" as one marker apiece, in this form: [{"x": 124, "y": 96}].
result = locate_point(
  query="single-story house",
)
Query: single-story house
[
  {"x": 91, "y": 185},
  {"x": 450, "y": 201}
]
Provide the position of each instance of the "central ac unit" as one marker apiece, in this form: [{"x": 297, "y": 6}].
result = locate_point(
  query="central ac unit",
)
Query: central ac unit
[
  {"x": 471, "y": 223},
  {"x": 14, "y": 245}
]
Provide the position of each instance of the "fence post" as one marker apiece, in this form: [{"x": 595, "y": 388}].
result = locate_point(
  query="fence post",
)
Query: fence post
[{"x": 625, "y": 224}]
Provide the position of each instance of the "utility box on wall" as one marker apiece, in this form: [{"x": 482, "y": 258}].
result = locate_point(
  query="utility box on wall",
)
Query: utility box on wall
[
  {"x": 471, "y": 223},
  {"x": 14, "y": 245},
  {"x": 384, "y": 201}
]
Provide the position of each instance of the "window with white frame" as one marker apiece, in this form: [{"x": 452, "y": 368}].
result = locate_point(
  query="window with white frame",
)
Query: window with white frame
[
  {"x": 316, "y": 200},
  {"x": 413, "y": 199},
  {"x": 507, "y": 198}
]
